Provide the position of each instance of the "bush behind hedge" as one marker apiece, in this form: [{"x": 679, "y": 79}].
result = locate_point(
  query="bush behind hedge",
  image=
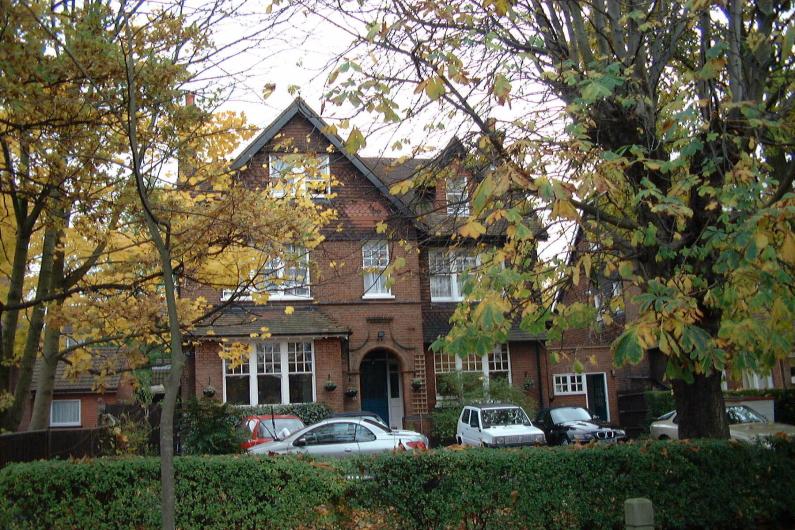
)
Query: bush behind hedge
[
  {"x": 308, "y": 412},
  {"x": 707, "y": 484}
]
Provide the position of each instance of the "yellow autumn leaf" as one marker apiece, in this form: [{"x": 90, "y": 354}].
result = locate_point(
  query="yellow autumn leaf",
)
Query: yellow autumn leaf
[
  {"x": 787, "y": 251},
  {"x": 472, "y": 229},
  {"x": 289, "y": 310},
  {"x": 564, "y": 209}
]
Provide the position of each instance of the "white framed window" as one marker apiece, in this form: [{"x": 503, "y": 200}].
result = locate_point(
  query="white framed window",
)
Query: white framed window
[
  {"x": 375, "y": 260},
  {"x": 275, "y": 373},
  {"x": 495, "y": 365},
  {"x": 568, "y": 384},
  {"x": 287, "y": 277},
  {"x": 283, "y": 277},
  {"x": 308, "y": 172},
  {"x": 65, "y": 413},
  {"x": 456, "y": 196},
  {"x": 447, "y": 271}
]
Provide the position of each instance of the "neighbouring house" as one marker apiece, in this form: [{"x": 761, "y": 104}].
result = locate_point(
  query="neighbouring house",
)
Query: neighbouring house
[
  {"x": 78, "y": 401},
  {"x": 355, "y": 341},
  {"x": 581, "y": 368}
]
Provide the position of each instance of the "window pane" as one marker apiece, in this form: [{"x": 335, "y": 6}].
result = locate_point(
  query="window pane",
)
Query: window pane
[
  {"x": 65, "y": 412},
  {"x": 269, "y": 389},
  {"x": 299, "y": 357},
  {"x": 300, "y": 388},
  {"x": 268, "y": 358},
  {"x": 472, "y": 363},
  {"x": 363, "y": 434},
  {"x": 237, "y": 390},
  {"x": 456, "y": 194},
  {"x": 441, "y": 286},
  {"x": 375, "y": 283}
]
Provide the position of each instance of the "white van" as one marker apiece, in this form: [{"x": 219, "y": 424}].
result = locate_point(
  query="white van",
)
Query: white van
[{"x": 497, "y": 425}]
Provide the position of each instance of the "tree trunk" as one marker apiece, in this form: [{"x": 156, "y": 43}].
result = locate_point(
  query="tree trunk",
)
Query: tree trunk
[
  {"x": 44, "y": 387},
  {"x": 13, "y": 416},
  {"x": 10, "y": 317},
  {"x": 700, "y": 408}
]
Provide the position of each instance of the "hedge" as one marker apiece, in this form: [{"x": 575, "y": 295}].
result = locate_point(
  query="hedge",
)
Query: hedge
[
  {"x": 708, "y": 484},
  {"x": 703, "y": 485},
  {"x": 212, "y": 492}
]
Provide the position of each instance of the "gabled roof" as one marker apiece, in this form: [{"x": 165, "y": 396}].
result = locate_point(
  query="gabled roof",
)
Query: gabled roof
[{"x": 299, "y": 106}]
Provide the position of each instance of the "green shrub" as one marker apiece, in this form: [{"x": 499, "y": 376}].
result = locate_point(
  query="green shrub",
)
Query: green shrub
[
  {"x": 709, "y": 484},
  {"x": 209, "y": 427},
  {"x": 308, "y": 412}
]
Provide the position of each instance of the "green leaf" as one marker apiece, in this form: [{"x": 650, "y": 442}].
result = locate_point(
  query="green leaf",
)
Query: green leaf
[
  {"x": 626, "y": 348},
  {"x": 434, "y": 88},
  {"x": 355, "y": 141}
]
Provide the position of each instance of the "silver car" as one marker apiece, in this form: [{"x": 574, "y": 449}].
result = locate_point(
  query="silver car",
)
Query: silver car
[
  {"x": 343, "y": 437},
  {"x": 745, "y": 425}
]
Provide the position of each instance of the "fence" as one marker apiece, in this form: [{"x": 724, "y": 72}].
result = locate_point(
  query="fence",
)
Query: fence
[
  {"x": 61, "y": 443},
  {"x": 632, "y": 412}
]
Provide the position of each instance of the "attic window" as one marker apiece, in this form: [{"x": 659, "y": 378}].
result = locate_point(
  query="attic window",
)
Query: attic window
[
  {"x": 307, "y": 172},
  {"x": 456, "y": 196}
]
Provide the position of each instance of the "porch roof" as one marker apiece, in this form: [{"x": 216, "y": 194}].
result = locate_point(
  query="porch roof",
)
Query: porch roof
[{"x": 243, "y": 321}]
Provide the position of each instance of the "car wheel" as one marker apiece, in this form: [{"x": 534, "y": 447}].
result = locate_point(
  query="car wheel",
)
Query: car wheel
[
  {"x": 565, "y": 441},
  {"x": 663, "y": 437},
  {"x": 459, "y": 441}
]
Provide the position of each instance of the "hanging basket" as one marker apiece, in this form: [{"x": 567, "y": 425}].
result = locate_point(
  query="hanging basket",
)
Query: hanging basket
[{"x": 351, "y": 393}]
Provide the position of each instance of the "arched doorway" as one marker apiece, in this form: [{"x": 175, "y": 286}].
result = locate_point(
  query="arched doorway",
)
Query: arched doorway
[{"x": 381, "y": 385}]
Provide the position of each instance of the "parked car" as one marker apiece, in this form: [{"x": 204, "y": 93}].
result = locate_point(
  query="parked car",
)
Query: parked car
[
  {"x": 496, "y": 425},
  {"x": 567, "y": 425},
  {"x": 745, "y": 424},
  {"x": 342, "y": 437},
  {"x": 359, "y": 414},
  {"x": 267, "y": 428}
]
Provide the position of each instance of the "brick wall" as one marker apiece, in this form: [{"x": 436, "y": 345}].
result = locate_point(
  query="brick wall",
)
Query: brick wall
[{"x": 337, "y": 283}]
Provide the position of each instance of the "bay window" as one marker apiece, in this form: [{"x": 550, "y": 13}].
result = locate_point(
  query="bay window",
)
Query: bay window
[
  {"x": 375, "y": 260},
  {"x": 302, "y": 171},
  {"x": 447, "y": 270},
  {"x": 275, "y": 373}
]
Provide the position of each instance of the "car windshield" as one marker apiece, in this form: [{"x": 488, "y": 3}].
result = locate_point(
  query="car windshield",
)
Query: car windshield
[
  {"x": 567, "y": 414},
  {"x": 266, "y": 429},
  {"x": 506, "y": 416},
  {"x": 743, "y": 414}
]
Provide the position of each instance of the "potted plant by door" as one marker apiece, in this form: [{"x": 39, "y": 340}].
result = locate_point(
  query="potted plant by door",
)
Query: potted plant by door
[{"x": 416, "y": 383}]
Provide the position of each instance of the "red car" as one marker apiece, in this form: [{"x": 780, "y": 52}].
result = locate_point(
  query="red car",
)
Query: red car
[{"x": 267, "y": 428}]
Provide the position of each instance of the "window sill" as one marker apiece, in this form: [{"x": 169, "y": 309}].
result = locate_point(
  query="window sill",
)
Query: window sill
[
  {"x": 60, "y": 425},
  {"x": 446, "y": 299},
  {"x": 290, "y": 298},
  {"x": 378, "y": 297},
  {"x": 570, "y": 393}
]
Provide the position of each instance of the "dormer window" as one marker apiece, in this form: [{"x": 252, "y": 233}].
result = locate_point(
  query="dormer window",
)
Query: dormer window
[
  {"x": 456, "y": 196},
  {"x": 308, "y": 172}
]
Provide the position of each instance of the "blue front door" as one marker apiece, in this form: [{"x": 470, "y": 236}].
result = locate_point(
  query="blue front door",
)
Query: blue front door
[{"x": 373, "y": 374}]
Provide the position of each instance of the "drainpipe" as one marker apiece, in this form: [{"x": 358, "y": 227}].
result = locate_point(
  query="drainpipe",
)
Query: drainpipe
[{"x": 538, "y": 370}]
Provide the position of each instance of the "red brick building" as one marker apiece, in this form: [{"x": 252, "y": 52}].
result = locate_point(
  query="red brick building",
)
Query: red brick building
[{"x": 351, "y": 330}]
